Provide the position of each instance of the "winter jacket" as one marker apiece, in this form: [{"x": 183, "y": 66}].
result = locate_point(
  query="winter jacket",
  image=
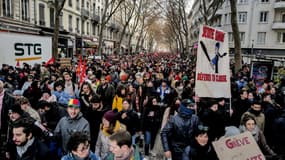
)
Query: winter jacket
[
  {"x": 91, "y": 156},
  {"x": 259, "y": 118},
  {"x": 102, "y": 144},
  {"x": 53, "y": 115},
  {"x": 278, "y": 130},
  {"x": 198, "y": 152},
  {"x": 117, "y": 103},
  {"x": 37, "y": 151},
  {"x": 136, "y": 155},
  {"x": 131, "y": 121},
  {"x": 106, "y": 95},
  {"x": 62, "y": 97},
  {"x": 7, "y": 102},
  {"x": 66, "y": 126},
  {"x": 178, "y": 132}
]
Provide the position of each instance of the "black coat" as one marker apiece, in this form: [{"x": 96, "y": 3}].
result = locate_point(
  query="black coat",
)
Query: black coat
[
  {"x": 53, "y": 116},
  {"x": 278, "y": 130},
  {"x": 239, "y": 107},
  {"x": 198, "y": 152},
  {"x": 131, "y": 121},
  {"x": 178, "y": 132},
  {"x": 37, "y": 151},
  {"x": 8, "y": 101}
]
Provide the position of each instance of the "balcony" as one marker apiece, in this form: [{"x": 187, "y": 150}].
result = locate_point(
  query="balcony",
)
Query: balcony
[
  {"x": 95, "y": 18},
  {"x": 279, "y": 4},
  {"x": 278, "y": 25},
  {"x": 84, "y": 13}
]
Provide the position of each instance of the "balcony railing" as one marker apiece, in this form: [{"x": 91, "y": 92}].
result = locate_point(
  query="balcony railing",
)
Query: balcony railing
[
  {"x": 95, "y": 18},
  {"x": 279, "y": 4},
  {"x": 278, "y": 25},
  {"x": 84, "y": 13}
]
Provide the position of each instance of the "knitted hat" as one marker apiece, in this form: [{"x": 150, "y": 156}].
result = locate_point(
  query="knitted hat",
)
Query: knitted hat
[
  {"x": 111, "y": 116},
  {"x": 74, "y": 103},
  {"x": 231, "y": 131}
]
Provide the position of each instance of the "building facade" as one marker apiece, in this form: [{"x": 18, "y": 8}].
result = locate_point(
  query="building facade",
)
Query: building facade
[
  {"x": 79, "y": 23},
  {"x": 261, "y": 25}
]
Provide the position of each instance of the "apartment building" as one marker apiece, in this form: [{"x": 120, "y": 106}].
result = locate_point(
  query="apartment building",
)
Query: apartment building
[
  {"x": 261, "y": 25},
  {"x": 79, "y": 23}
]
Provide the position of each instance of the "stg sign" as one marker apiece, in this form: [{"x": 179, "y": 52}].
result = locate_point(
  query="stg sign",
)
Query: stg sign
[{"x": 24, "y": 48}]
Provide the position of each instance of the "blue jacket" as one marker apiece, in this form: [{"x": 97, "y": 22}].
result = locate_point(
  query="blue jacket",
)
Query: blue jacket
[
  {"x": 62, "y": 97},
  {"x": 70, "y": 156}
]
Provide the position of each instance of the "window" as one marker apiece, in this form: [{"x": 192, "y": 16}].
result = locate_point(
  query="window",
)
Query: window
[
  {"x": 87, "y": 28},
  {"x": 77, "y": 25},
  {"x": 60, "y": 20},
  {"x": 242, "y": 36},
  {"x": 283, "y": 18},
  {"x": 264, "y": 1},
  {"x": 70, "y": 3},
  {"x": 263, "y": 16},
  {"x": 42, "y": 14},
  {"x": 77, "y": 5},
  {"x": 51, "y": 17},
  {"x": 94, "y": 8},
  {"x": 281, "y": 37},
  {"x": 70, "y": 23},
  {"x": 261, "y": 36},
  {"x": 7, "y": 8},
  {"x": 231, "y": 38},
  {"x": 82, "y": 4},
  {"x": 93, "y": 29},
  {"x": 242, "y": 1},
  {"x": 242, "y": 17},
  {"x": 82, "y": 27},
  {"x": 25, "y": 10},
  {"x": 226, "y": 19}
]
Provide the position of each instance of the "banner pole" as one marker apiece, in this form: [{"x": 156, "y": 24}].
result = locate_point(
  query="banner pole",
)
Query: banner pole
[{"x": 230, "y": 106}]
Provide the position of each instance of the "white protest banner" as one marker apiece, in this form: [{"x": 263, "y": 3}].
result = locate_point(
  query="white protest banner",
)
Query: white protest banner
[
  {"x": 213, "y": 65},
  {"x": 239, "y": 147}
]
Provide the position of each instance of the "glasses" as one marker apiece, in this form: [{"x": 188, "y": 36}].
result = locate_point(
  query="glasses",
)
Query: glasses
[{"x": 203, "y": 128}]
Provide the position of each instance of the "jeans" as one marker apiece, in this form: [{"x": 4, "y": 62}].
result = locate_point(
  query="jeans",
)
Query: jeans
[{"x": 147, "y": 137}]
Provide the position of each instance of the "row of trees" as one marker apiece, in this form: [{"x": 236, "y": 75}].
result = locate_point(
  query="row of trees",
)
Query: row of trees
[{"x": 135, "y": 16}]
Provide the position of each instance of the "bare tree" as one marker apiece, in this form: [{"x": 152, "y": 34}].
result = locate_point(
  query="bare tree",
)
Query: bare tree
[
  {"x": 110, "y": 8},
  {"x": 58, "y": 6},
  {"x": 236, "y": 36},
  {"x": 209, "y": 8},
  {"x": 127, "y": 12}
]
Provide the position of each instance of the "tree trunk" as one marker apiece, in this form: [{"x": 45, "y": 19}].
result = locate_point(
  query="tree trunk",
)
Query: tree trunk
[
  {"x": 236, "y": 36},
  {"x": 100, "y": 49},
  {"x": 55, "y": 38}
]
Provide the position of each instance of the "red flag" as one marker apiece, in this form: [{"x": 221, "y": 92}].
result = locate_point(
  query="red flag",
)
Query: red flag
[
  {"x": 83, "y": 72},
  {"x": 50, "y": 61},
  {"x": 78, "y": 70}
]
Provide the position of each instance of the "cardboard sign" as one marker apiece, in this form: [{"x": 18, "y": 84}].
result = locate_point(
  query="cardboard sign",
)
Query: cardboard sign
[
  {"x": 213, "y": 65},
  {"x": 239, "y": 147}
]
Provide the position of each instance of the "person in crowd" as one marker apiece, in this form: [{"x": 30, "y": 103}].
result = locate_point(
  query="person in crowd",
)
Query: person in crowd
[
  {"x": 110, "y": 125},
  {"x": 52, "y": 113},
  {"x": 6, "y": 101},
  {"x": 249, "y": 124},
  {"x": 214, "y": 119},
  {"x": 200, "y": 148},
  {"x": 86, "y": 93},
  {"x": 62, "y": 97},
  {"x": 120, "y": 95},
  {"x": 94, "y": 116},
  {"x": 271, "y": 111},
  {"x": 151, "y": 121},
  {"x": 70, "y": 87},
  {"x": 278, "y": 132},
  {"x": 164, "y": 91},
  {"x": 130, "y": 119},
  {"x": 170, "y": 111},
  {"x": 121, "y": 147},
  {"x": 26, "y": 106},
  {"x": 178, "y": 131},
  {"x": 27, "y": 146},
  {"x": 241, "y": 83},
  {"x": 28, "y": 82},
  {"x": 255, "y": 111},
  {"x": 73, "y": 122},
  {"x": 106, "y": 92},
  {"x": 250, "y": 87},
  {"x": 33, "y": 93},
  {"x": 240, "y": 106},
  {"x": 47, "y": 96},
  {"x": 78, "y": 147}
]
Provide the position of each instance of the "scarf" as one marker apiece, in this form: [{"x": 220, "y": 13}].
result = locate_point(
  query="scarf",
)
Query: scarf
[
  {"x": 254, "y": 133},
  {"x": 184, "y": 111},
  {"x": 22, "y": 149},
  {"x": 116, "y": 128}
]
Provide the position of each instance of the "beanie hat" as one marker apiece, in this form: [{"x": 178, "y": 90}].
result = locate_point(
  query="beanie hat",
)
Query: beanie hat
[
  {"x": 231, "y": 131},
  {"x": 74, "y": 103},
  {"x": 16, "y": 108},
  {"x": 111, "y": 116},
  {"x": 108, "y": 78}
]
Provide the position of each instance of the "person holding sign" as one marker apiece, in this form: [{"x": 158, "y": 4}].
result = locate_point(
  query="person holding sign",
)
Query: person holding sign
[
  {"x": 200, "y": 148},
  {"x": 249, "y": 124}
]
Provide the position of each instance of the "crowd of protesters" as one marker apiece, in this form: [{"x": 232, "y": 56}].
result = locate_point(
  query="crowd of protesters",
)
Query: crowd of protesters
[{"x": 130, "y": 108}]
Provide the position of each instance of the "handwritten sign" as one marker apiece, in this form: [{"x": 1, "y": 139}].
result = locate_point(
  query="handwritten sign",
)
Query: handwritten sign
[
  {"x": 239, "y": 147},
  {"x": 213, "y": 65}
]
